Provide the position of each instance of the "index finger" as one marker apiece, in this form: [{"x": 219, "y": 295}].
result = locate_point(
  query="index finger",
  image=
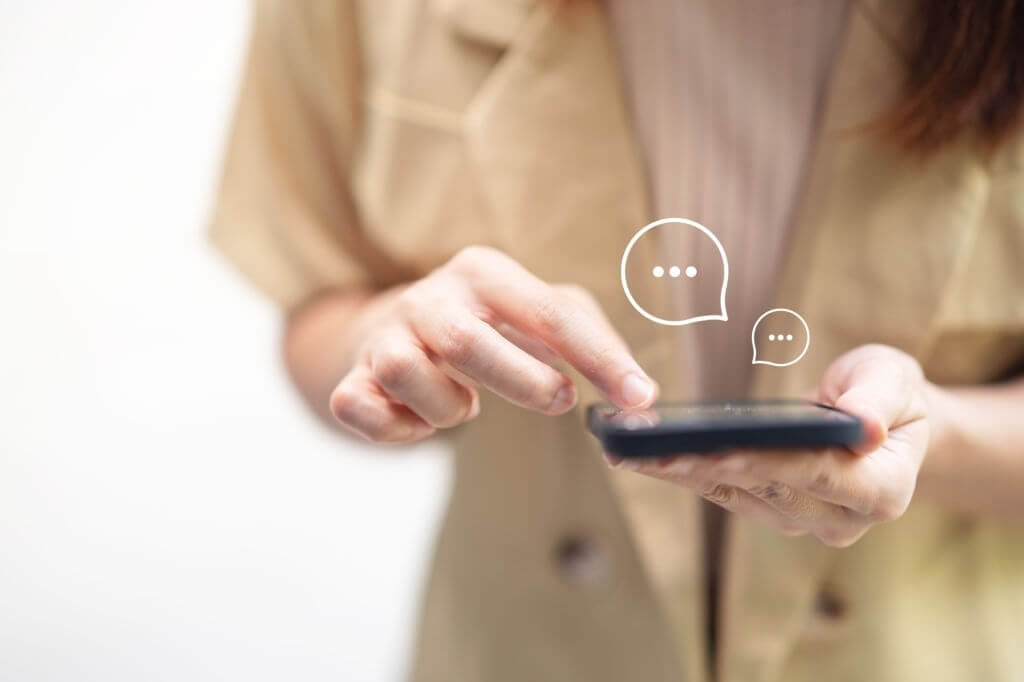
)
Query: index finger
[{"x": 583, "y": 339}]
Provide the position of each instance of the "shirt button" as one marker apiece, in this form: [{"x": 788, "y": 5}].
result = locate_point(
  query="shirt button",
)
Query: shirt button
[
  {"x": 581, "y": 560},
  {"x": 828, "y": 606}
]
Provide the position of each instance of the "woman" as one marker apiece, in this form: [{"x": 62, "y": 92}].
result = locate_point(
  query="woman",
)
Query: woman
[{"x": 439, "y": 192}]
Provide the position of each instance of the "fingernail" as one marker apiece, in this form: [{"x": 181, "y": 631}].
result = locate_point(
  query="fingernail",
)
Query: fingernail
[
  {"x": 637, "y": 390},
  {"x": 474, "y": 409},
  {"x": 564, "y": 399}
]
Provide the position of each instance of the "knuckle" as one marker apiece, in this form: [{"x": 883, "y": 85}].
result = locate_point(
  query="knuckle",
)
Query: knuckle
[
  {"x": 888, "y": 508},
  {"x": 457, "y": 344},
  {"x": 474, "y": 258},
  {"x": 604, "y": 357},
  {"x": 555, "y": 316},
  {"x": 773, "y": 492},
  {"x": 393, "y": 365},
  {"x": 546, "y": 389},
  {"x": 865, "y": 496},
  {"x": 552, "y": 315},
  {"x": 427, "y": 296},
  {"x": 719, "y": 494},
  {"x": 537, "y": 390},
  {"x": 886, "y": 499},
  {"x": 874, "y": 348},
  {"x": 883, "y": 514},
  {"x": 411, "y": 298}
]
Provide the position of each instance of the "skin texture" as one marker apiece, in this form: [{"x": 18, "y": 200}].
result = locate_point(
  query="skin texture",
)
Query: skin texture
[
  {"x": 958, "y": 447},
  {"x": 834, "y": 493},
  {"x": 393, "y": 367},
  {"x": 412, "y": 360}
]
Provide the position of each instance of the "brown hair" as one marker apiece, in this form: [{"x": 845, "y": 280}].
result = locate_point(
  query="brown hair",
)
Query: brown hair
[{"x": 965, "y": 74}]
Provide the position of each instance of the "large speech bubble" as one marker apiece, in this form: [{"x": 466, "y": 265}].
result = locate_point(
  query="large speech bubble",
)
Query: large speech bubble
[
  {"x": 780, "y": 338},
  {"x": 680, "y": 230}
]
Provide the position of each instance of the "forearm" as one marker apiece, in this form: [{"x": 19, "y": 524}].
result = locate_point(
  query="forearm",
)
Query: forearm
[
  {"x": 321, "y": 337},
  {"x": 975, "y": 460}
]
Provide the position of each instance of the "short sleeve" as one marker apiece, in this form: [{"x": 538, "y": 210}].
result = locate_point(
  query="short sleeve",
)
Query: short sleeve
[{"x": 284, "y": 213}]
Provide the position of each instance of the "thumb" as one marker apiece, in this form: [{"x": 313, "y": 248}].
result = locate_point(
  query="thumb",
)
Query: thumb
[{"x": 877, "y": 386}]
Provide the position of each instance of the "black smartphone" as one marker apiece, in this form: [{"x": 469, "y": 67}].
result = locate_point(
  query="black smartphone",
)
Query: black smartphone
[{"x": 668, "y": 429}]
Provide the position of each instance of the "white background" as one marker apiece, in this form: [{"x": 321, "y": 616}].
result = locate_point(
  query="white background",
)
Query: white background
[{"x": 168, "y": 510}]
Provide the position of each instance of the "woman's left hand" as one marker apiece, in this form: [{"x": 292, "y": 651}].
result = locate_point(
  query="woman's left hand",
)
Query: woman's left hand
[{"x": 835, "y": 493}]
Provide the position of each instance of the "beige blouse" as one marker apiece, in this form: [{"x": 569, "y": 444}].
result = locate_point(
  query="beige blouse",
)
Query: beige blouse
[{"x": 725, "y": 97}]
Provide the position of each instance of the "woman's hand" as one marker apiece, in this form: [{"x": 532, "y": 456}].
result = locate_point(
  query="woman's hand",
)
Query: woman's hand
[
  {"x": 480, "y": 320},
  {"x": 834, "y": 493}
]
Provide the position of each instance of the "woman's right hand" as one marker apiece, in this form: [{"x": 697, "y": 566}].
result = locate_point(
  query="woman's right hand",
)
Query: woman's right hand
[{"x": 479, "y": 320}]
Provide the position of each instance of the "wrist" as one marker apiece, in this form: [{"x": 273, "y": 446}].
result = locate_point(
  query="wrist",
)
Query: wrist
[
  {"x": 941, "y": 410},
  {"x": 320, "y": 341}
]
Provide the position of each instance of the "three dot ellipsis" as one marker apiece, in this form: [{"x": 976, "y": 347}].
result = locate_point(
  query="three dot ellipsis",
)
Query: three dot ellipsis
[{"x": 674, "y": 271}]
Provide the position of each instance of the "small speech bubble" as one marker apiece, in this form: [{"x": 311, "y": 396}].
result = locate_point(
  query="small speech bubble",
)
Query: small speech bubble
[
  {"x": 703, "y": 288},
  {"x": 780, "y": 337}
]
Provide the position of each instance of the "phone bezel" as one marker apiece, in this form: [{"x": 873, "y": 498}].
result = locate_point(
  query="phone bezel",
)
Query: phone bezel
[{"x": 706, "y": 437}]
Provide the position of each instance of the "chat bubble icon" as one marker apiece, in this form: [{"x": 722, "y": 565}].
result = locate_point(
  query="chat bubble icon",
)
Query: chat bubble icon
[
  {"x": 686, "y": 258},
  {"x": 780, "y": 338}
]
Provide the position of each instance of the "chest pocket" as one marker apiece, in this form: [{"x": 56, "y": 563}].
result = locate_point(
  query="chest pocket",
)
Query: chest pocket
[
  {"x": 980, "y": 336},
  {"x": 413, "y": 180}
]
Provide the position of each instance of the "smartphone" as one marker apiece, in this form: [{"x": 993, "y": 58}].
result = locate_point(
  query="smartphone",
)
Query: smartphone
[{"x": 668, "y": 429}]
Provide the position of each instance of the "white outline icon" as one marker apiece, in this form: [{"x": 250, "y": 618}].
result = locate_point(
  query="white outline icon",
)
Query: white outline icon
[
  {"x": 689, "y": 320},
  {"x": 753, "y": 342}
]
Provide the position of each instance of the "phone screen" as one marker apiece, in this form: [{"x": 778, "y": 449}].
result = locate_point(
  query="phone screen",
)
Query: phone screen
[{"x": 724, "y": 413}]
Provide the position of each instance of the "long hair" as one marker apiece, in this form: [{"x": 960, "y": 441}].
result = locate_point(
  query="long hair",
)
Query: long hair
[{"x": 964, "y": 74}]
